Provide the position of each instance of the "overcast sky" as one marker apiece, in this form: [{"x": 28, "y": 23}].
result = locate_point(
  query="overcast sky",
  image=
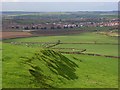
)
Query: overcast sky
[
  {"x": 58, "y": 6},
  {"x": 59, "y": 0}
]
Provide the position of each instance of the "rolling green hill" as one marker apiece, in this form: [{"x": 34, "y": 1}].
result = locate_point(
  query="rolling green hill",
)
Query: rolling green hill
[{"x": 38, "y": 67}]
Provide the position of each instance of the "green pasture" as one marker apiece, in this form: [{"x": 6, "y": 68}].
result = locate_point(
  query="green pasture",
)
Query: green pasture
[
  {"x": 105, "y": 49},
  {"x": 83, "y": 37},
  {"x": 92, "y": 48},
  {"x": 0, "y": 64},
  {"x": 90, "y": 71}
]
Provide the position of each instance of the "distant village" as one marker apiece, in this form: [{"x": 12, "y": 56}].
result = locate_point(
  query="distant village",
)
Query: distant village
[{"x": 59, "y": 25}]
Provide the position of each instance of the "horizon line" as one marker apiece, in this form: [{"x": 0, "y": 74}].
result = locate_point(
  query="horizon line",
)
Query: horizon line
[{"x": 62, "y": 11}]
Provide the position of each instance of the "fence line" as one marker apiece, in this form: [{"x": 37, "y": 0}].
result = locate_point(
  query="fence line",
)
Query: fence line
[
  {"x": 91, "y": 54},
  {"x": 67, "y": 48},
  {"x": 93, "y": 43},
  {"x": 64, "y": 43},
  {"x": 56, "y": 43}
]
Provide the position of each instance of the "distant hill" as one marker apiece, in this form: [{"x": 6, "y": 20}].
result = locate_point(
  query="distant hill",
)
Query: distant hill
[{"x": 78, "y": 12}]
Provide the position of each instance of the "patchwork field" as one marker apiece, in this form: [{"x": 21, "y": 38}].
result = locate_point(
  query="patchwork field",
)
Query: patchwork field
[{"x": 27, "y": 63}]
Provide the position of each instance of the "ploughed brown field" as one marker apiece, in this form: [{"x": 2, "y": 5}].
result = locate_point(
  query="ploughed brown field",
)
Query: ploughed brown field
[{"x": 8, "y": 34}]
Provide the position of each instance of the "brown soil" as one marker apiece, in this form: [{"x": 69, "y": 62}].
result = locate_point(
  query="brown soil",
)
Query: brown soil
[{"x": 7, "y": 35}]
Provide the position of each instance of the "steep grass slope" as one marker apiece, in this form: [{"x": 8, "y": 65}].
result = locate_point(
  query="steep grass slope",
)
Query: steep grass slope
[
  {"x": 50, "y": 68},
  {"x": 23, "y": 67}
]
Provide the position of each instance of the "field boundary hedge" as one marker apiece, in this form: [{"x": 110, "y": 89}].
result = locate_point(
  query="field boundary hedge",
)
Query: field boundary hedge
[
  {"x": 93, "y": 43},
  {"x": 64, "y": 43},
  {"x": 67, "y": 48},
  {"x": 91, "y": 54},
  {"x": 76, "y": 52}
]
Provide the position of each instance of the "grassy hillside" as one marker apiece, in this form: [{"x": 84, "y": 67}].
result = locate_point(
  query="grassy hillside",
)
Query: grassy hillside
[
  {"x": 34, "y": 67},
  {"x": 106, "y": 49},
  {"x": 91, "y": 71}
]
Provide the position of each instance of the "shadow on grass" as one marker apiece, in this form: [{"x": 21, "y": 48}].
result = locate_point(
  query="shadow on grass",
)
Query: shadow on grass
[
  {"x": 59, "y": 64},
  {"x": 54, "y": 63}
]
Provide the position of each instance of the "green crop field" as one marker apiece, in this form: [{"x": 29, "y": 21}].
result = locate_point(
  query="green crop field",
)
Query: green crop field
[{"x": 35, "y": 66}]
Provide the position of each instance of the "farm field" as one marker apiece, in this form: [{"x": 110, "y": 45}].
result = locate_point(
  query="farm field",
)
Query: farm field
[
  {"x": 0, "y": 64},
  {"x": 6, "y": 35},
  {"x": 86, "y": 71},
  {"x": 107, "y": 49},
  {"x": 83, "y": 37}
]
